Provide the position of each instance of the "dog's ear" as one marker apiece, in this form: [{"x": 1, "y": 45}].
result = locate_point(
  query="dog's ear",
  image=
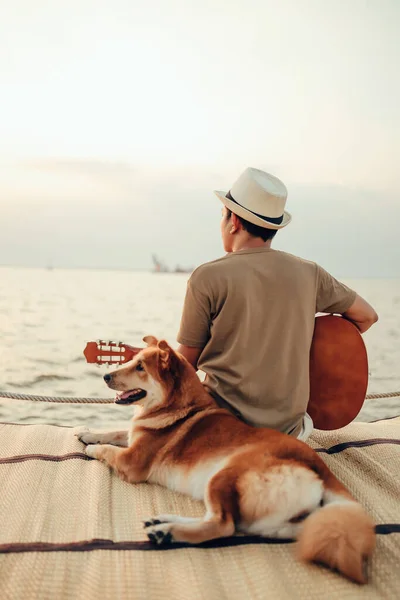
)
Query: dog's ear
[
  {"x": 163, "y": 345},
  {"x": 150, "y": 340},
  {"x": 170, "y": 361},
  {"x": 166, "y": 354}
]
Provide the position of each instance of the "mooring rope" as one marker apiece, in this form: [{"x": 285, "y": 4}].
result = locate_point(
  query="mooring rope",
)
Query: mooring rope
[
  {"x": 66, "y": 399},
  {"x": 384, "y": 395},
  {"x": 73, "y": 400}
]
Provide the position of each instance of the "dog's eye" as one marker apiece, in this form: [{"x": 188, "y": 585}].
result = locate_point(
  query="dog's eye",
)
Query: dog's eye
[{"x": 139, "y": 367}]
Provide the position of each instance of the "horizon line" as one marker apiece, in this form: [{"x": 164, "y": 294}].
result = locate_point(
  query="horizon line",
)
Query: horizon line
[{"x": 149, "y": 270}]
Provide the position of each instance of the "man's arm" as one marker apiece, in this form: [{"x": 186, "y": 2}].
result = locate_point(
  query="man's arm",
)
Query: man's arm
[
  {"x": 336, "y": 298},
  {"x": 194, "y": 330},
  {"x": 361, "y": 314},
  {"x": 191, "y": 354}
]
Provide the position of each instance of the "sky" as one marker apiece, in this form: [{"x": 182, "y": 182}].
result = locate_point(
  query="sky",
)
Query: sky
[{"x": 119, "y": 119}]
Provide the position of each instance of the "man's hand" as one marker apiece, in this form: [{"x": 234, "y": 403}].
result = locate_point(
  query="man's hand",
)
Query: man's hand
[{"x": 361, "y": 314}]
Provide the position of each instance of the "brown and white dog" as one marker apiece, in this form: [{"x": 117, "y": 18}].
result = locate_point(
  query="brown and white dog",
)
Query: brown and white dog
[{"x": 252, "y": 480}]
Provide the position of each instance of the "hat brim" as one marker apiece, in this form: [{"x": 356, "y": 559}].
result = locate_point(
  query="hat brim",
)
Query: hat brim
[{"x": 249, "y": 216}]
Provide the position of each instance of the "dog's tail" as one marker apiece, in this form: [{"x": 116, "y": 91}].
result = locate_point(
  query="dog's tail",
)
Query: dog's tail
[{"x": 340, "y": 534}]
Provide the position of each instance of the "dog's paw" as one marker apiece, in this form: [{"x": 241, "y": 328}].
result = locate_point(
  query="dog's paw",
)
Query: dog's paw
[
  {"x": 158, "y": 533},
  {"x": 92, "y": 450},
  {"x": 79, "y": 434},
  {"x": 87, "y": 437},
  {"x": 153, "y": 521}
]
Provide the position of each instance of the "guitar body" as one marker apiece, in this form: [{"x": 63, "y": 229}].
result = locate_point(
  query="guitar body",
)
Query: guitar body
[{"x": 338, "y": 373}]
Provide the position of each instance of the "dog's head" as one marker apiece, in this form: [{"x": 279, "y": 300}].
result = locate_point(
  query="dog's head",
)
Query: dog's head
[{"x": 150, "y": 377}]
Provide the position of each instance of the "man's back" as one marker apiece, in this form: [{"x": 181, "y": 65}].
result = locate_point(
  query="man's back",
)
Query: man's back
[{"x": 253, "y": 313}]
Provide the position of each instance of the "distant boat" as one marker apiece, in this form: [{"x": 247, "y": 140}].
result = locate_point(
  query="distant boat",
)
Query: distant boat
[
  {"x": 161, "y": 267},
  {"x": 179, "y": 269}
]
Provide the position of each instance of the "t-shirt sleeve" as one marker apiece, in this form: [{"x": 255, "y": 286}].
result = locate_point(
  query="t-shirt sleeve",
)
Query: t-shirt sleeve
[
  {"x": 332, "y": 295},
  {"x": 196, "y": 317}
]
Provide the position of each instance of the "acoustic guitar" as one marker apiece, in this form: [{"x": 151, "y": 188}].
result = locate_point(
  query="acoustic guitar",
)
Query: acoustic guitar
[
  {"x": 338, "y": 373},
  {"x": 338, "y": 370}
]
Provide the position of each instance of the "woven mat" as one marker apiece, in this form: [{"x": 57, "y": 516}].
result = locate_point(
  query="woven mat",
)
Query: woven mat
[{"x": 70, "y": 529}]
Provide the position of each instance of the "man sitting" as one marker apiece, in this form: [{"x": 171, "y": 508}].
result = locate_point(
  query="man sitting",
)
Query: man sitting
[{"x": 248, "y": 317}]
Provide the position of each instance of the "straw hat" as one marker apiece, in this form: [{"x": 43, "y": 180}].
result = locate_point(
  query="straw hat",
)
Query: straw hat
[{"x": 258, "y": 197}]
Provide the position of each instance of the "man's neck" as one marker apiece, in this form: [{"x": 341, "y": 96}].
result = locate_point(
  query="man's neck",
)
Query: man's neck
[{"x": 249, "y": 243}]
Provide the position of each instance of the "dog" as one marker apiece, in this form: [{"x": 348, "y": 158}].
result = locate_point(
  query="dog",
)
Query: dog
[{"x": 256, "y": 481}]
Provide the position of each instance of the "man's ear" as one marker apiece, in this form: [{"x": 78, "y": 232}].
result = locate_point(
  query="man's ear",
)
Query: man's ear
[
  {"x": 150, "y": 340},
  {"x": 236, "y": 224}
]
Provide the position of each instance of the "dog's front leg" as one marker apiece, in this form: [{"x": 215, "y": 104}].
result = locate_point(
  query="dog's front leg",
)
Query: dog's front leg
[
  {"x": 121, "y": 460},
  {"x": 115, "y": 438},
  {"x": 105, "y": 453}
]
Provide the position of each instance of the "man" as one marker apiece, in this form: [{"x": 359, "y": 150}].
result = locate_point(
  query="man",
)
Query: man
[{"x": 248, "y": 317}]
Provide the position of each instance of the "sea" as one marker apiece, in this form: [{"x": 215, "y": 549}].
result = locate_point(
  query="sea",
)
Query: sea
[{"x": 48, "y": 315}]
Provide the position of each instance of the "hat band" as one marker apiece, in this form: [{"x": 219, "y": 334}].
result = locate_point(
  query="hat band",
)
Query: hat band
[{"x": 274, "y": 220}]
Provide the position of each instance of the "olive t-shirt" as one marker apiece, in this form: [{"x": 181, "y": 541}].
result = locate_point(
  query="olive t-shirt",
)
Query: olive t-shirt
[{"x": 252, "y": 312}]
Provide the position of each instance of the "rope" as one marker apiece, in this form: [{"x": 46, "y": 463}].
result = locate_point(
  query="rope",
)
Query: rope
[
  {"x": 386, "y": 395},
  {"x": 72, "y": 400},
  {"x": 67, "y": 399}
]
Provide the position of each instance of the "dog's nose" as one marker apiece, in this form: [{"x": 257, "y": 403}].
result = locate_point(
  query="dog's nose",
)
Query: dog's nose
[{"x": 107, "y": 377}]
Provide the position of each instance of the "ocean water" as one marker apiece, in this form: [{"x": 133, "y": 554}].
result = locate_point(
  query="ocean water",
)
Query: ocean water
[{"x": 47, "y": 316}]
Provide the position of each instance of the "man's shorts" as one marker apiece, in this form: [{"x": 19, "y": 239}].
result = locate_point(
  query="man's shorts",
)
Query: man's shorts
[{"x": 307, "y": 428}]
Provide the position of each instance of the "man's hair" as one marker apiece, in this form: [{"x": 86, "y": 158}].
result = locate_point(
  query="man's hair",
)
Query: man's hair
[{"x": 254, "y": 230}]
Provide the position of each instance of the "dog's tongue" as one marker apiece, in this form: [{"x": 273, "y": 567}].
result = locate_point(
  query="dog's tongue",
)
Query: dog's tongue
[{"x": 124, "y": 395}]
